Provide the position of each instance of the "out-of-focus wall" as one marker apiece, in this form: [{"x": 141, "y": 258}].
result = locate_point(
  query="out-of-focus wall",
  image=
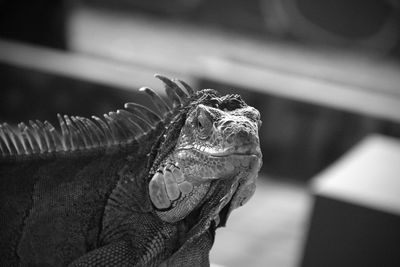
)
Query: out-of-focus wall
[{"x": 368, "y": 25}]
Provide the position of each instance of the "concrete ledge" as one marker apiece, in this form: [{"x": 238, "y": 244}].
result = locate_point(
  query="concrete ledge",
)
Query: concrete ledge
[
  {"x": 356, "y": 215},
  {"x": 369, "y": 176}
]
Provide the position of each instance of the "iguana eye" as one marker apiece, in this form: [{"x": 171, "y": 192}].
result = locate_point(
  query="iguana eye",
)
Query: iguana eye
[
  {"x": 204, "y": 125},
  {"x": 199, "y": 124}
]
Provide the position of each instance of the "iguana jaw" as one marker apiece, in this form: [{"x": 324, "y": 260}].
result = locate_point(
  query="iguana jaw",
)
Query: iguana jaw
[{"x": 237, "y": 171}]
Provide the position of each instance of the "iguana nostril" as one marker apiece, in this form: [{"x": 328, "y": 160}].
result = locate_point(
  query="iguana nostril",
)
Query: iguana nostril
[
  {"x": 239, "y": 137},
  {"x": 244, "y": 137}
]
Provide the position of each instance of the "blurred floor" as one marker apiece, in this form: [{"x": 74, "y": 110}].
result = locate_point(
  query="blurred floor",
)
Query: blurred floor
[{"x": 267, "y": 231}]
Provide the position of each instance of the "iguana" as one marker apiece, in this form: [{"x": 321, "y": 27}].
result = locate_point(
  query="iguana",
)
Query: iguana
[{"x": 135, "y": 188}]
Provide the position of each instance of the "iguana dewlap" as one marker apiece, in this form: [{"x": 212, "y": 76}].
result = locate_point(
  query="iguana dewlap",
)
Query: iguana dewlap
[{"x": 134, "y": 188}]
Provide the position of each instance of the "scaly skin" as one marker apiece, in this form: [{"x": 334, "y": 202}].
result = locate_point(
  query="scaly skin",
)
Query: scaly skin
[{"x": 154, "y": 199}]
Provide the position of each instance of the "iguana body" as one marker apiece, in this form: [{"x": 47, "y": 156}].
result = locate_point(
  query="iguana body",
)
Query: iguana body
[{"x": 136, "y": 188}]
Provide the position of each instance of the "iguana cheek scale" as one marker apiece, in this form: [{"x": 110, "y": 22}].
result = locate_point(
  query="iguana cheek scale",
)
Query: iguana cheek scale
[{"x": 134, "y": 188}]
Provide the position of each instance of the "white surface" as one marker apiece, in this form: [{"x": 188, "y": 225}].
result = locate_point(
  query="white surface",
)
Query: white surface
[{"x": 369, "y": 175}]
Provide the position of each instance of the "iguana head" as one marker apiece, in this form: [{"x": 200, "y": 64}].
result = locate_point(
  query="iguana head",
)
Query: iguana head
[{"x": 211, "y": 162}]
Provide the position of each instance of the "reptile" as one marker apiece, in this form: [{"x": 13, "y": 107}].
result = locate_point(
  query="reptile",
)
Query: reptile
[{"x": 137, "y": 187}]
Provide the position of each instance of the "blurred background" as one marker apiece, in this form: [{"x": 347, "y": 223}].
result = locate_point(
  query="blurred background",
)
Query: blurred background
[{"x": 325, "y": 75}]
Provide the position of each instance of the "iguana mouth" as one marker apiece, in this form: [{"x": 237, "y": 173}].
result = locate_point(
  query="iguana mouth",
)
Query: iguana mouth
[{"x": 249, "y": 150}]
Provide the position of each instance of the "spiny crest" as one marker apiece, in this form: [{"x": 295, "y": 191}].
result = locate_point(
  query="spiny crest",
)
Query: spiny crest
[{"x": 79, "y": 133}]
